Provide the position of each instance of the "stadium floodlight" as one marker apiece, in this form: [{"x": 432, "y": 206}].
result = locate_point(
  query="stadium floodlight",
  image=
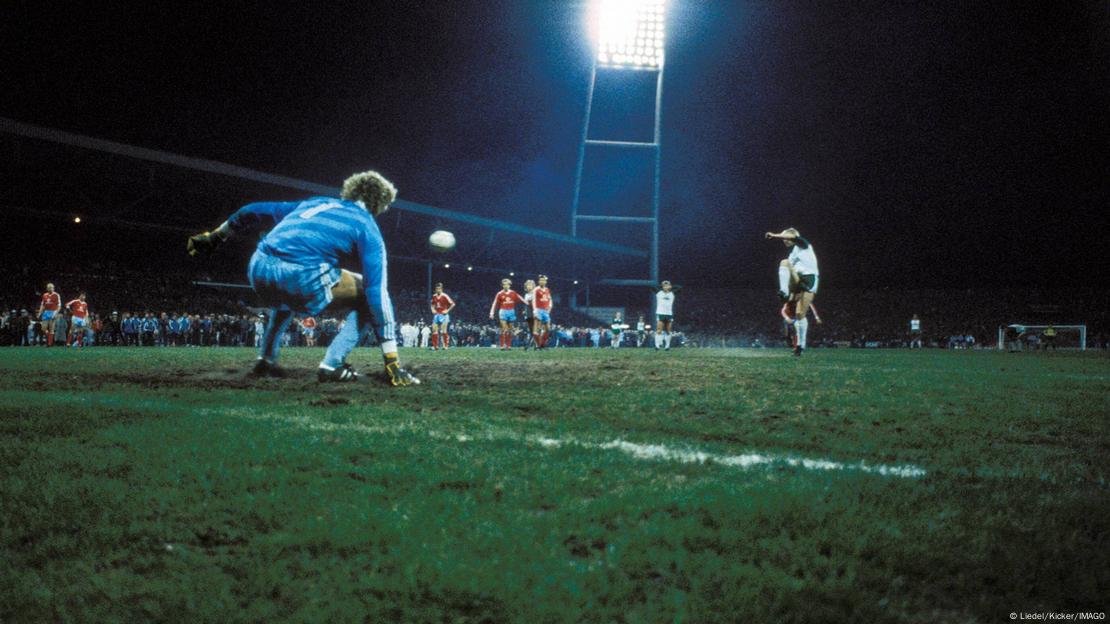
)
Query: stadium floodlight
[{"x": 630, "y": 34}]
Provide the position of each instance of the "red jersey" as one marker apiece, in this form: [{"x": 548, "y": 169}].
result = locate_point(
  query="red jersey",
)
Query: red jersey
[
  {"x": 442, "y": 303},
  {"x": 51, "y": 301},
  {"x": 541, "y": 298},
  {"x": 79, "y": 308},
  {"x": 506, "y": 300},
  {"x": 308, "y": 322}
]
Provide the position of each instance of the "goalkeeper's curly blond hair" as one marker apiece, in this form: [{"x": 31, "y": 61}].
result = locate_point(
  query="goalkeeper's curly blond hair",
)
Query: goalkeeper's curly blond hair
[{"x": 372, "y": 189}]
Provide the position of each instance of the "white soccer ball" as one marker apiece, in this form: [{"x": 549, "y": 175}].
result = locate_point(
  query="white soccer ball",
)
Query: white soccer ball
[{"x": 442, "y": 240}]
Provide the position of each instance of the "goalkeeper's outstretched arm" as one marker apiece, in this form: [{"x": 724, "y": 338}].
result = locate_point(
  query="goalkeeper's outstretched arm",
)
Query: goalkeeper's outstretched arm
[
  {"x": 207, "y": 242},
  {"x": 252, "y": 217}
]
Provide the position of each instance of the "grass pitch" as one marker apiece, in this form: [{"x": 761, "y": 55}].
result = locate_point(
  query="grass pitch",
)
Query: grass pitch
[{"x": 570, "y": 485}]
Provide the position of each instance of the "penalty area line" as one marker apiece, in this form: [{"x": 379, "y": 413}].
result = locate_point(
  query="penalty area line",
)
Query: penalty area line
[
  {"x": 659, "y": 452},
  {"x": 647, "y": 452}
]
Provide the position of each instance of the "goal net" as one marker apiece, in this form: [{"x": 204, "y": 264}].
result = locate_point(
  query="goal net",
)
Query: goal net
[{"x": 1021, "y": 337}]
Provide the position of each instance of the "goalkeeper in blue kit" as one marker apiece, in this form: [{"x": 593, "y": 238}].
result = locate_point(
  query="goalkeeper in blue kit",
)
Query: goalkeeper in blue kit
[{"x": 296, "y": 269}]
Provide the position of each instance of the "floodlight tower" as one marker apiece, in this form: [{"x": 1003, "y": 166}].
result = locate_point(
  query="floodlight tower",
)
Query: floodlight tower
[{"x": 630, "y": 37}]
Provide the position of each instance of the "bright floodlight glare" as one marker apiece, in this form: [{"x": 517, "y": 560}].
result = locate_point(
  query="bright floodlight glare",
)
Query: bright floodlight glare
[{"x": 630, "y": 34}]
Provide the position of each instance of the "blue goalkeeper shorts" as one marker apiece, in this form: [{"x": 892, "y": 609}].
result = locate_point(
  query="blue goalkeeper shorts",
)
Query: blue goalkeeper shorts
[{"x": 302, "y": 289}]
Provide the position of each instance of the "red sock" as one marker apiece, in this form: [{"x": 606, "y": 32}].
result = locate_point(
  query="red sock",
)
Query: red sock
[
  {"x": 435, "y": 340},
  {"x": 50, "y": 340},
  {"x": 543, "y": 338},
  {"x": 445, "y": 340}
]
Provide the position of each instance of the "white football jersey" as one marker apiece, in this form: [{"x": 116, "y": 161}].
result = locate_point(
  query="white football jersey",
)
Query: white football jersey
[
  {"x": 802, "y": 259},
  {"x": 664, "y": 303}
]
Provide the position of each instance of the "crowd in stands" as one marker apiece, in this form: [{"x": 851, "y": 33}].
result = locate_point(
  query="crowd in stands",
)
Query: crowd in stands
[
  {"x": 143, "y": 309},
  {"x": 485, "y": 335},
  {"x": 21, "y": 328}
]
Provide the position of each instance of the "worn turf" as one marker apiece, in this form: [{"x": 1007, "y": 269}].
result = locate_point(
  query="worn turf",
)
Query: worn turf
[{"x": 571, "y": 485}]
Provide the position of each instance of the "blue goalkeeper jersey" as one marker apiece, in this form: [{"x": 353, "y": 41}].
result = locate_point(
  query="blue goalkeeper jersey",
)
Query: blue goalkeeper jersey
[{"x": 324, "y": 230}]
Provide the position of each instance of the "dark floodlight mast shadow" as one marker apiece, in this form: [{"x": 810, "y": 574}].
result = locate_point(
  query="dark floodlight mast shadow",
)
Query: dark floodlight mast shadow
[{"x": 629, "y": 36}]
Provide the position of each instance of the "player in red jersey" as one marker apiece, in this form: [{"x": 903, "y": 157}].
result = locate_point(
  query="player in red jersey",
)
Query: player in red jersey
[
  {"x": 442, "y": 304},
  {"x": 308, "y": 329},
  {"x": 788, "y": 312},
  {"x": 541, "y": 311},
  {"x": 79, "y": 321},
  {"x": 48, "y": 310},
  {"x": 504, "y": 304}
]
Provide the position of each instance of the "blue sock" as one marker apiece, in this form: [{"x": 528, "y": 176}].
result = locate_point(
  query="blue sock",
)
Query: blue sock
[
  {"x": 275, "y": 329},
  {"x": 354, "y": 326}
]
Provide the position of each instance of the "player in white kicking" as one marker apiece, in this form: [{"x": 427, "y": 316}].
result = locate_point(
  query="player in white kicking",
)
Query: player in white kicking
[{"x": 797, "y": 274}]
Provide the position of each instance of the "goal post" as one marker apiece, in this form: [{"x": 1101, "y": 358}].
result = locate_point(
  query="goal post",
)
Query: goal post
[{"x": 1019, "y": 336}]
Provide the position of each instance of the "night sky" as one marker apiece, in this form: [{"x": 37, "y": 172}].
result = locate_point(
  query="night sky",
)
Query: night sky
[{"x": 941, "y": 144}]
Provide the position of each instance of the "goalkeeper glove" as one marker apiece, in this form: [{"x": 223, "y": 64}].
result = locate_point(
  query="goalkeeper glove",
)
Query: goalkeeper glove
[
  {"x": 206, "y": 243},
  {"x": 397, "y": 375}
]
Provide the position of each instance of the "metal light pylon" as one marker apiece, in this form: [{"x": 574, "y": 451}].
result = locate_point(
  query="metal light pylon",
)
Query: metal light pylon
[{"x": 614, "y": 57}]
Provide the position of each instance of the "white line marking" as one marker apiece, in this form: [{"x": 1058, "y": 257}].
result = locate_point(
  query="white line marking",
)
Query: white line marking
[
  {"x": 660, "y": 452},
  {"x": 651, "y": 452}
]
